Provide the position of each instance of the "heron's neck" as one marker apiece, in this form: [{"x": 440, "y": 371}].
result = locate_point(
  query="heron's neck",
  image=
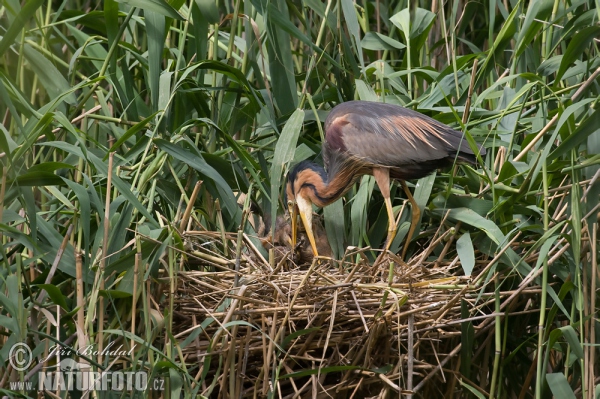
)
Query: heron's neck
[{"x": 330, "y": 186}]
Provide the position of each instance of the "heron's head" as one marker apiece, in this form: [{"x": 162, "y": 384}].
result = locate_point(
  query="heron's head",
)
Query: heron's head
[{"x": 304, "y": 183}]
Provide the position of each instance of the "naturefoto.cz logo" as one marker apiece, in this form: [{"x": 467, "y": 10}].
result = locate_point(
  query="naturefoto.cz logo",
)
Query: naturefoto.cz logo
[{"x": 68, "y": 375}]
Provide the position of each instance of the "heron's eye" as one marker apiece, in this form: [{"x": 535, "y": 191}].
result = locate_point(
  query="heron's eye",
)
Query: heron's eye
[{"x": 290, "y": 203}]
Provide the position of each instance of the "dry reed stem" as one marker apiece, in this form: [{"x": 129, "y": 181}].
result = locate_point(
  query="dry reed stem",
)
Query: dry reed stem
[
  {"x": 347, "y": 313},
  {"x": 190, "y": 206},
  {"x": 323, "y": 296}
]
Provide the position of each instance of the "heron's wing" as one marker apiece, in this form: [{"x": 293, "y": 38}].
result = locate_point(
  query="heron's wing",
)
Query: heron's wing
[{"x": 389, "y": 135}]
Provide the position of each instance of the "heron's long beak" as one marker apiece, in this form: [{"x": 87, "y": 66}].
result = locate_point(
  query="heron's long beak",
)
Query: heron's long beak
[{"x": 305, "y": 209}]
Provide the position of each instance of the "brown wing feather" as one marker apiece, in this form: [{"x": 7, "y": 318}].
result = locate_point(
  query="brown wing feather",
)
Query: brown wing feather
[{"x": 393, "y": 136}]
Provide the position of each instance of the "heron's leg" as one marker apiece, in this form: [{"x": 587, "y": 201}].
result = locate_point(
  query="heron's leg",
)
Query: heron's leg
[
  {"x": 416, "y": 214},
  {"x": 382, "y": 177}
]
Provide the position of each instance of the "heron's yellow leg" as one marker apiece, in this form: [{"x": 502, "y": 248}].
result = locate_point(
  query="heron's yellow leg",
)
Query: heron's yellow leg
[
  {"x": 382, "y": 177},
  {"x": 416, "y": 214},
  {"x": 392, "y": 226}
]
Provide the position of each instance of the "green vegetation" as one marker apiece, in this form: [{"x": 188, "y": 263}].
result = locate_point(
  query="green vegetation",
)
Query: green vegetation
[{"x": 130, "y": 125}]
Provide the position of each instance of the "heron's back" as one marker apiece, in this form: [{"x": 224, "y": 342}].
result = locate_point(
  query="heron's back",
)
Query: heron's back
[{"x": 388, "y": 135}]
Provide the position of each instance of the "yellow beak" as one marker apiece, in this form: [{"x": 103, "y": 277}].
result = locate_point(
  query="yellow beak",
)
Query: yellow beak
[{"x": 305, "y": 209}]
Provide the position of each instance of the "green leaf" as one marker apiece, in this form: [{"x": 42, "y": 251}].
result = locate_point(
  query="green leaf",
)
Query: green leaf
[
  {"x": 191, "y": 156},
  {"x": 38, "y": 179},
  {"x": 281, "y": 64},
  {"x": 283, "y": 155},
  {"x": 586, "y": 128},
  {"x": 34, "y": 128},
  {"x": 249, "y": 163},
  {"x": 284, "y": 23},
  {"x": 7, "y": 143},
  {"x": 377, "y": 41},
  {"x": 469, "y": 217},
  {"x": 10, "y": 306},
  {"x": 53, "y": 81},
  {"x": 565, "y": 118},
  {"x": 287, "y": 340},
  {"x": 335, "y": 227},
  {"x": 467, "y": 339},
  {"x": 209, "y": 10},
  {"x": 505, "y": 34},
  {"x": 130, "y": 132},
  {"x": 156, "y": 26},
  {"x": 560, "y": 386},
  {"x": 529, "y": 29},
  {"x": 55, "y": 294},
  {"x": 17, "y": 235},
  {"x": 358, "y": 212},
  {"x": 549, "y": 66},
  {"x": 123, "y": 187},
  {"x": 10, "y": 323},
  {"x": 466, "y": 253},
  {"x": 580, "y": 42},
  {"x": 157, "y": 6},
  {"x": 571, "y": 336},
  {"x": 49, "y": 167},
  {"x": 224, "y": 69},
  {"x": 351, "y": 20},
  {"x": 49, "y": 241},
  {"x": 471, "y": 389},
  {"x": 413, "y": 22},
  {"x": 19, "y": 23},
  {"x": 365, "y": 92},
  {"x": 402, "y": 21},
  {"x": 175, "y": 383}
]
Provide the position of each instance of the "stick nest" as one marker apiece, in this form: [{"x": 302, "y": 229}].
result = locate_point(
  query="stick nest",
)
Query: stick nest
[{"x": 342, "y": 327}]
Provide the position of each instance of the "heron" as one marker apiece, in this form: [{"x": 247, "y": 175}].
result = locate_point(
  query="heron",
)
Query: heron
[{"x": 386, "y": 141}]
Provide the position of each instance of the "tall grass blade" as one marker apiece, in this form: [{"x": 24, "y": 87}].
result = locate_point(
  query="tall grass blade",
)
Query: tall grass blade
[{"x": 284, "y": 153}]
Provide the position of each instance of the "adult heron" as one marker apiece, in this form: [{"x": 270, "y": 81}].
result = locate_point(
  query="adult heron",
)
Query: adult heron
[{"x": 384, "y": 140}]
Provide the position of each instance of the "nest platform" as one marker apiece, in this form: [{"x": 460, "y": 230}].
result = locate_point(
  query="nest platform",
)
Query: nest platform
[{"x": 332, "y": 328}]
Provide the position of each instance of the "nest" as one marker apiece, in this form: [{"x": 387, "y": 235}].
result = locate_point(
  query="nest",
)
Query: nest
[{"x": 345, "y": 328}]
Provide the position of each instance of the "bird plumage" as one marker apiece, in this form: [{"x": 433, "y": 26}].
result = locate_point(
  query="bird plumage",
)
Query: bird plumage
[
  {"x": 392, "y": 136},
  {"x": 385, "y": 140},
  {"x": 360, "y": 135}
]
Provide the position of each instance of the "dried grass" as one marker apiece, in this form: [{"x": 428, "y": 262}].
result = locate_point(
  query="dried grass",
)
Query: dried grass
[{"x": 341, "y": 327}]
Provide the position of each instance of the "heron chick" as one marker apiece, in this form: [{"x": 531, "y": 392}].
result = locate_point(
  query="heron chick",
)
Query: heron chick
[
  {"x": 281, "y": 241},
  {"x": 384, "y": 140}
]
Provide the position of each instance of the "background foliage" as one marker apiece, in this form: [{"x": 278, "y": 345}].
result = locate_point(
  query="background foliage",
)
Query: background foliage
[{"x": 113, "y": 111}]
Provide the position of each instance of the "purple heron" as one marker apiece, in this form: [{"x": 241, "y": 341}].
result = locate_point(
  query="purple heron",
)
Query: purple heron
[{"x": 384, "y": 140}]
